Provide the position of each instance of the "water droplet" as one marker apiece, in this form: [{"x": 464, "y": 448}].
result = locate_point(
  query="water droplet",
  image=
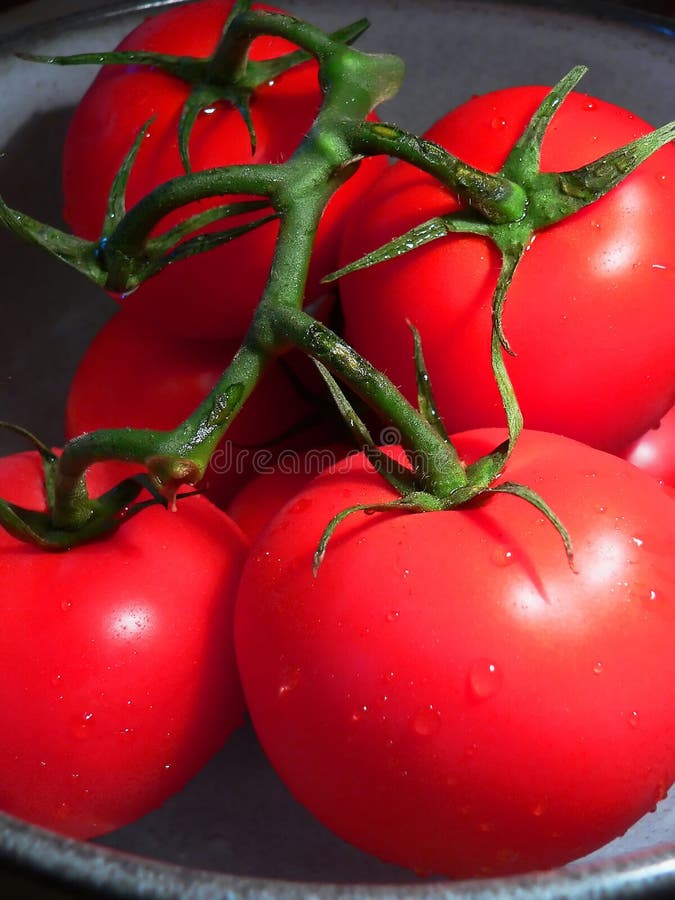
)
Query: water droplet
[
  {"x": 57, "y": 680},
  {"x": 82, "y": 728},
  {"x": 485, "y": 679},
  {"x": 539, "y": 809},
  {"x": 66, "y": 605},
  {"x": 502, "y": 556},
  {"x": 290, "y": 679},
  {"x": 598, "y": 668},
  {"x": 209, "y": 110},
  {"x": 637, "y": 541},
  {"x": 127, "y": 733},
  {"x": 426, "y": 721},
  {"x": 498, "y": 122},
  {"x": 601, "y": 509},
  {"x": 634, "y": 719},
  {"x": 360, "y": 714},
  {"x": 64, "y": 810},
  {"x": 589, "y": 106},
  {"x": 392, "y": 616}
]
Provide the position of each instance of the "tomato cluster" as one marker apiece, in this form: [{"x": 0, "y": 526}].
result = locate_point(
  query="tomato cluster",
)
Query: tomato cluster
[{"x": 444, "y": 691}]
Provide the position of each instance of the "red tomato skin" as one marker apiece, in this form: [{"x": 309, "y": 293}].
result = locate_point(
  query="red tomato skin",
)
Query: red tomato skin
[
  {"x": 590, "y": 311},
  {"x": 119, "y": 678},
  {"x": 162, "y": 381},
  {"x": 192, "y": 297},
  {"x": 655, "y": 450},
  {"x": 256, "y": 503},
  {"x": 448, "y": 694}
]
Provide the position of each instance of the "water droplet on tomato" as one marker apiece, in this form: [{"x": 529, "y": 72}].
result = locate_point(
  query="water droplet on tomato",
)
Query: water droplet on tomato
[
  {"x": 290, "y": 679},
  {"x": 589, "y": 106},
  {"x": 485, "y": 679},
  {"x": 601, "y": 509},
  {"x": 66, "y": 605},
  {"x": 498, "y": 122},
  {"x": 57, "y": 680},
  {"x": 634, "y": 719},
  {"x": 64, "y": 810},
  {"x": 360, "y": 714},
  {"x": 426, "y": 721},
  {"x": 637, "y": 541},
  {"x": 393, "y": 615},
  {"x": 598, "y": 668},
  {"x": 539, "y": 809},
  {"x": 127, "y": 734},
  {"x": 502, "y": 556},
  {"x": 82, "y": 728}
]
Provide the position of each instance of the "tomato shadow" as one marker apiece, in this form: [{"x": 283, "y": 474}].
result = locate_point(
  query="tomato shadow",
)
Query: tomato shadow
[{"x": 236, "y": 816}]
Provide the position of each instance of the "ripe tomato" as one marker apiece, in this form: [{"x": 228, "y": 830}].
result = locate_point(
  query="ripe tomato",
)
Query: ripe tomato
[
  {"x": 163, "y": 378},
  {"x": 108, "y": 119},
  {"x": 447, "y": 693},
  {"x": 119, "y": 678},
  {"x": 590, "y": 309},
  {"x": 254, "y": 505},
  {"x": 655, "y": 450}
]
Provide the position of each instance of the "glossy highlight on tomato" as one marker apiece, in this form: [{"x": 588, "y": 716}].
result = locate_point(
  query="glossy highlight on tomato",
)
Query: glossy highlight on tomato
[
  {"x": 589, "y": 313},
  {"x": 119, "y": 678},
  {"x": 448, "y": 693},
  {"x": 191, "y": 298}
]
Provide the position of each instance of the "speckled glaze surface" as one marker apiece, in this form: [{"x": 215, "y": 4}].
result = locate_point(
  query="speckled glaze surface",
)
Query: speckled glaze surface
[{"x": 235, "y": 831}]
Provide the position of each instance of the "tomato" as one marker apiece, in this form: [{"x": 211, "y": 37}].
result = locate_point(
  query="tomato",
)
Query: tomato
[
  {"x": 191, "y": 297},
  {"x": 590, "y": 311},
  {"x": 164, "y": 378},
  {"x": 447, "y": 693},
  {"x": 259, "y": 499},
  {"x": 655, "y": 450},
  {"x": 119, "y": 678}
]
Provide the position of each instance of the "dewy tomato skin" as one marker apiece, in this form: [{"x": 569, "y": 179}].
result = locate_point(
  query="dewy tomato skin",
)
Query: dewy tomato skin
[
  {"x": 448, "y": 694},
  {"x": 118, "y": 675},
  {"x": 191, "y": 298},
  {"x": 589, "y": 314},
  {"x": 654, "y": 451}
]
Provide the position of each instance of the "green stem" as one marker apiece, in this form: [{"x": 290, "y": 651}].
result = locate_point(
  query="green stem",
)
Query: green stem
[
  {"x": 497, "y": 198},
  {"x": 440, "y": 470}
]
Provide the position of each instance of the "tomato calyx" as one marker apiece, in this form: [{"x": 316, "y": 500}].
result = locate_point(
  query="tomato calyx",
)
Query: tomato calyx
[{"x": 413, "y": 477}]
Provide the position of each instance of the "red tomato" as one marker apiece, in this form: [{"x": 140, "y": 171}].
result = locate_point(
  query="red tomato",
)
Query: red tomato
[
  {"x": 447, "y": 693},
  {"x": 655, "y": 450},
  {"x": 259, "y": 499},
  {"x": 119, "y": 679},
  {"x": 590, "y": 310},
  {"x": 192, "y": 297},
  {"x": 133, "y": 376}
]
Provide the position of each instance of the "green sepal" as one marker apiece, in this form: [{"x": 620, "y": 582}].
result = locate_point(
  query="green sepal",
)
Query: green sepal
[
  {"x": 417, "y": 502},
  {"x": 398, "y": 476},
  {"x": 75, "y": 252},
  {"x": 526, "y": 493},
  {"x": 117, "y": 207},
  {"x": 201, "y": 243},
  {"x": 526, "y": 152},
  {"x": 426, "y": 402},
  {"x": 424, "y": 233}
]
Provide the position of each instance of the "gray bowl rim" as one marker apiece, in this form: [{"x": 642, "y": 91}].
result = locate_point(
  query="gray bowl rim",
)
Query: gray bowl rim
[{"x": 68, "y": 864}]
